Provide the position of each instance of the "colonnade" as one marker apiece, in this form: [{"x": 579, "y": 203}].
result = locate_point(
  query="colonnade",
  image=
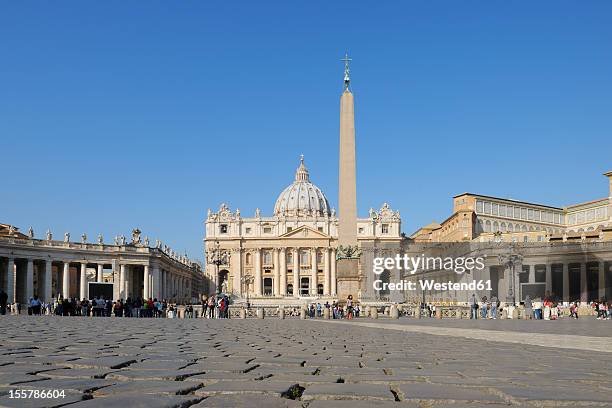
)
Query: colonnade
[{"x": 128, "y": 279}]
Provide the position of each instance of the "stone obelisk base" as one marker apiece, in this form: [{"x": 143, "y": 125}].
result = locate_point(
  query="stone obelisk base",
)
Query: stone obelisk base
[{"x": 348, "y": 278}]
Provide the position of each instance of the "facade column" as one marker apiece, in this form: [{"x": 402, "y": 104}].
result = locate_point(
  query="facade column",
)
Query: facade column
[
  {"x": 584, "y": 294},
  {"x": 236, "y": 268},
  {"x": 531, "y": 269},
  {"x": 283, "y": 272},
  {"x": 296, "y": 272},
  {"x": 333, "y": 272},
  {"x": 566, "y": 283},
  {"x": 548, "y": 278},
  {"x": 10, "y": 281},
  {"x": 66, "y": 281},
  {"x": 30, "y": 280},
  {"x": 602, "y": 280},
  {"x": 100, "y": 276},
  {"x": 83, "y": 291},
  {"x": 258, "y": 272},
  {"x": 48, "y": 287},
  {"x": 326, "y": 283},
  {"x": 313, "y": 270},
  {"x": 276, "y": 261},
  {"x": 122, "y": 282},
  {"x": 147, "y": 281}
]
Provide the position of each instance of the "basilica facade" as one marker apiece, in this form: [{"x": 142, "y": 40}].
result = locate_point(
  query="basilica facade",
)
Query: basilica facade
[{"x": 290, "y": 255}]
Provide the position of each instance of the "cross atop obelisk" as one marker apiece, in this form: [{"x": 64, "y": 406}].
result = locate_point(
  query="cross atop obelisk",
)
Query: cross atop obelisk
[{"x": 347, "y": 71}]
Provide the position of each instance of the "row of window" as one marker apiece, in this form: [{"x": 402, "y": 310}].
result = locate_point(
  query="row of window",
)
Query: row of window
[
  {"x": 594, "y": 214},
  {"x": 522, "y": 213},
  {"x": 495, "y": 226}
]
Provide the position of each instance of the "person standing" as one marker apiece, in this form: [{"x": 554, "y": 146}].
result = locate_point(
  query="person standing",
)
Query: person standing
[
  {"x": 483, "y": 311},
  {"x": 474, "y": 307},
  {"x": 528, "y": 307},
  {"x": 494, "y": 307}
]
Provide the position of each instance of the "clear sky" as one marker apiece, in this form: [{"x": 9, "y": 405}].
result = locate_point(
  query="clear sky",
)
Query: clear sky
[{"x": 118, "y": 114}]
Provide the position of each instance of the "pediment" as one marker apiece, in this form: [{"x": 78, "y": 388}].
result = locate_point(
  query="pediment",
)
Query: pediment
[{"x": 304, "y": 232}]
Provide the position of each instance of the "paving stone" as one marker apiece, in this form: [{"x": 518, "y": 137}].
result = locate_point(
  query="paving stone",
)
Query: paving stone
[
  {"x": 149, "y": 387},
  {"x": 101, "y": 362},
  {"x": 139, "y": 401},
  {"x": 443, "y": 392},
  {"x": 247, "y": 401},
  {"x": 275, "y": 388},
  {"x": 348, "y": 391},
  {"x": 77, "y": 373}
]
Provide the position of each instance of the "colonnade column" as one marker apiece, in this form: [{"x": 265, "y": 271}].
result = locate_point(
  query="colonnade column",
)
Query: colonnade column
[
  {"x": 156, "y": 294},
  {"x": 146, "y": 279},
  {"x": 66, "y": 281},
  {"x": 48, "y": 287},
  {"x": 10, "y": 280},
  {"x": 122, "y": 282},
  {"x": 100, "y": 275},
  {"x": 602, "y": 280},
  {"x": 333, "y": 272},
  {"x": 326, "y": 283},
  {"x": 258, "y": 272},
  {"x": 83, "y": 291},
  {"x": 548, "y": 278},
  {"x": 276, "y": 271},
  {"x": 296, "y": 272},
  {"x": 283, "y": 272},
  {"x": 30, "y": 280},
  {"x": 584, "y": 295},
  {"x": 313, "y": 275},
  {"x": 566, "y": 283}
]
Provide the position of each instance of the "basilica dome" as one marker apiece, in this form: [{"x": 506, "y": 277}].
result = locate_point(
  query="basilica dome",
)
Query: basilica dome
[{"x": 302, "y": 198}]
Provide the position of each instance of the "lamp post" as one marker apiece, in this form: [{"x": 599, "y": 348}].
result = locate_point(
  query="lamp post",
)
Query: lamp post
[
  {"x": 510, "y": 261},
  {"x": 217, "y": 257}
]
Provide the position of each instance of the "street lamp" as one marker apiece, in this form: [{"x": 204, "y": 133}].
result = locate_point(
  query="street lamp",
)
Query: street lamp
[
  {"x": 510, "y": 261},
  {"x": 217, "y": 257}
]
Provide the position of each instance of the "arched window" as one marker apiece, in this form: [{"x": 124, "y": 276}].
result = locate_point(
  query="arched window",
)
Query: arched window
[
  {"x": 320, "y": 289},
  {"x": 503, "y": 227},
  {"x": 488, "y": 226},
  {"x": 319, "y": 257},
  {"x": 248, "y": 259},
  {"x": 290, "y": 289},
  {"x": 289, "y": 257},
  {"x": 495, "y": 226},
  {"x": 510, "y": 227}
]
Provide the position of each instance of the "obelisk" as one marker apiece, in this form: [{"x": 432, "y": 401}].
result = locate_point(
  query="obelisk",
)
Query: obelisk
[
  {"x": 347, "y": 256},
  {"x": 347, "y": 180}
]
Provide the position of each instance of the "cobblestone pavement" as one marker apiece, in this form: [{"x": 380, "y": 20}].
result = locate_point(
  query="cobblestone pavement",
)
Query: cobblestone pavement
[{"x": 155, "y": 363}]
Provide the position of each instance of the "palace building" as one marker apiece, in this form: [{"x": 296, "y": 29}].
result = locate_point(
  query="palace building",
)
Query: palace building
[{"x": 532, "y": 249}]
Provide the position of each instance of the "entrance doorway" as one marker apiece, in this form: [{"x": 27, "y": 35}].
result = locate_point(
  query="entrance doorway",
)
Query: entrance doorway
[
  {"x": 267, "y": 286},
  {"x": 304, "y": 286}
]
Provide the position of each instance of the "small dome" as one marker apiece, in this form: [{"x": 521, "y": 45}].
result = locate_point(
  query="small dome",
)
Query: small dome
[{"x": 302, "y": 198}]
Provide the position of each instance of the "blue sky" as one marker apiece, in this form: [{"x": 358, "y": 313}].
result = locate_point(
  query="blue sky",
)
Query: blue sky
[{"x": 117, "y": 114}]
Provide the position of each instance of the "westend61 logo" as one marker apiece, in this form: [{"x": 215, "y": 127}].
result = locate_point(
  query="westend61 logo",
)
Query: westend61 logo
[{"x": 413, "y": 264}]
